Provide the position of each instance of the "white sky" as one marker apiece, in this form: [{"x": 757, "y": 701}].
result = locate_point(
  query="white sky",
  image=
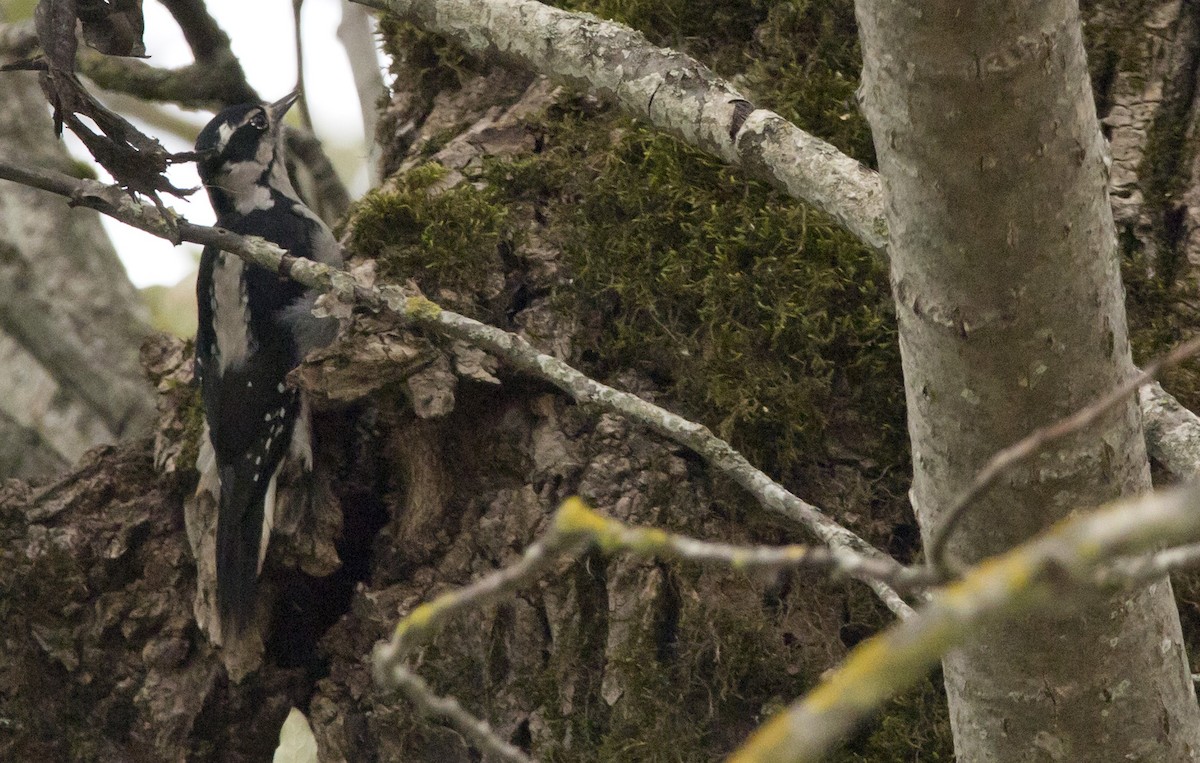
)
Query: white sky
[{"x": 262, "y": 34}]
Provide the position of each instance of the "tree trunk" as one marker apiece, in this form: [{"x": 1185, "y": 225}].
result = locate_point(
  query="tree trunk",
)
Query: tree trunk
[
  {"x": 70, "y": 321},
  {"x": 443, "y": 475},
  {"x": 1011, "y": 315}
]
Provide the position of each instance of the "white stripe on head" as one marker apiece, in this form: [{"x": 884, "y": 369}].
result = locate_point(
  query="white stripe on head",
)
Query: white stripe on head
[{"x": 224, "y": 133}]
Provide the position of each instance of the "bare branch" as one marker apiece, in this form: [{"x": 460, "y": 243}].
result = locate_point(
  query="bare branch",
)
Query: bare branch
[
  {"x": 515, "y": 350},
  {"x": 195, "y": 86},
  {"x": 355, "y": 33},
  {"x": 332, "y": 200},
  {"x": 575, "y": 520},
  {"x": 1172, "y": 432},
  {"x": 478, "y": 731},
  {"x": 204, "y": 36},
  {"x": 1035, "y": 575},
  {"x": 1037, "y": 441},
  {"x": 420, "y": 624},
  {"x": 672, "y": 91},
  {"x": 1143, "y": 569},
  {"x": 305, "y": 116},
  {"x": 575, "y": 527}
]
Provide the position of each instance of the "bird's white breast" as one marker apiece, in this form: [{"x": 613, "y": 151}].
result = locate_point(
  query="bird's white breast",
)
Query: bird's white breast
[{"x": 231, "y": 312}]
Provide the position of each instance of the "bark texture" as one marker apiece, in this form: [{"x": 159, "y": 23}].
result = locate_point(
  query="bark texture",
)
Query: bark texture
[
  {"x": 442, "y": 475},
  {"x": 70, "y": 322},
  {"x": 1010, "y": 308}
]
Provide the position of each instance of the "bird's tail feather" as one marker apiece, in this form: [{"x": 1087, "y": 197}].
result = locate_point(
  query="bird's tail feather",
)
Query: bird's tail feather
[{"x": 239, "y": 537}]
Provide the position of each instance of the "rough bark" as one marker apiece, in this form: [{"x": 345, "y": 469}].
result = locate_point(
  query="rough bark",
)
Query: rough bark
[
  {"x": 443, "y": 475},
  {"x": 1139, "y": 49},
  {"x": 1009, "y": 302},
  {"x": 70, "y": 322}
]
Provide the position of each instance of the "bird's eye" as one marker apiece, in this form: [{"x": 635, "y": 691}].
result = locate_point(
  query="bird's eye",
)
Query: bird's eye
[{"x": 259, "y": 121}]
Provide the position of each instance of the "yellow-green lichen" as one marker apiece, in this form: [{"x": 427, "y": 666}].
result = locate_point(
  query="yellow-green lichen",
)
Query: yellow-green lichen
[{"x": 574, "y": 517}]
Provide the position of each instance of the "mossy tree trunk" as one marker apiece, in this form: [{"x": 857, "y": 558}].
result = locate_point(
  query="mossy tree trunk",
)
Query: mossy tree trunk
[
  {"x": 1006, "y": 277},
  {"x": 646, "y": 263}
]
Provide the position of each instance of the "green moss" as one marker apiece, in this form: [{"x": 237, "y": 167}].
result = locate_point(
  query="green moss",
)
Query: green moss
[
  {"x": 438, "y": 63},
  {"x": 752, "y": 313},
  {"x": 763, "y": 319},
  {"x": 443, "y": 238},
  {"x": 686, "y": 24},
  {"x": 660, "y": 709},
  {"x": 805, "y": 65},
  {"x": 912, "y": 726},
  {"x": 191, "y": 413}
]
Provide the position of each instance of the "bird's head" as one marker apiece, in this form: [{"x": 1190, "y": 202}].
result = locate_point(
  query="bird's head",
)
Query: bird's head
[{"x": 241, "y": 155}]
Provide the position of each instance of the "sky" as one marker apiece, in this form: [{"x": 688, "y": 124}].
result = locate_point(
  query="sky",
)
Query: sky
[{"x": 261, "y": 33}]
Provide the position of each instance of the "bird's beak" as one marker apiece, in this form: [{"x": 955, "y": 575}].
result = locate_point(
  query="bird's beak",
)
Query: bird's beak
[{"x": 279, "y": 108}]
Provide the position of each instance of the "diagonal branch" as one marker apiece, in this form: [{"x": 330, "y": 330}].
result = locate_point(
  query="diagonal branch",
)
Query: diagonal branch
[
  {"x": 681, "y": 96},
  {"x": 1043, "y": 573},
  {"x": 519, "y": 353},
  {"x": 576, "y": 526},
  {"x": 204, "y": 36},
  {"x": 668, "y": 89},
  {"x": 478, "y": 731}
]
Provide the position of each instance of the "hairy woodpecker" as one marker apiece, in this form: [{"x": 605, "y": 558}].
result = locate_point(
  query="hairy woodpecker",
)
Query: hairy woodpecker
[{"x": 254, "y": 327}]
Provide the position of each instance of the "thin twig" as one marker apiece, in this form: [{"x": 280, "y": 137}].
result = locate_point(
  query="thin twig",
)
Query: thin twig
[
  {"x": 574, "y": 528},
  {"x": 1039, "y": 439},
  {"x": 575, "y": 520},
  {"x": 415, "y": 628},
  {"x": 1051, "y": 569},
  {"x": 475, "y": 729},
  {"x": 1143, "y": 569}
]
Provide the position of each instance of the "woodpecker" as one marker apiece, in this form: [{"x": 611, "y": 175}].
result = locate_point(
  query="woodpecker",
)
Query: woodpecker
[{"x": 254, "y": 327}]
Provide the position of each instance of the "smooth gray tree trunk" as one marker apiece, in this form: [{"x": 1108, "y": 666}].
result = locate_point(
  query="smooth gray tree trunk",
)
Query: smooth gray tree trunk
[{"x": 1011, "y": 315}]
